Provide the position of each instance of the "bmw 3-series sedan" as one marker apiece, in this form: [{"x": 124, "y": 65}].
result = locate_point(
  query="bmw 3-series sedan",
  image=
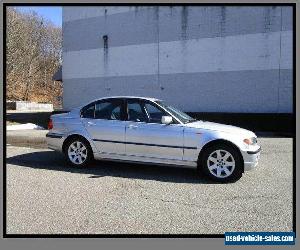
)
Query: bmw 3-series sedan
[{"x": 147, "y": 130}]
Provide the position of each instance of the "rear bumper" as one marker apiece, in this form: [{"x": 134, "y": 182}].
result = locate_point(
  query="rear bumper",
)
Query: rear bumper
[
  {"x": 55, "y": 141},
  {"x": 251, "y": 159}
]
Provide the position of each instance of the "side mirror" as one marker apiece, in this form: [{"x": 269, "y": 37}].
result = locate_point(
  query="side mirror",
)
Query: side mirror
[{"x": 166, "y": 120}]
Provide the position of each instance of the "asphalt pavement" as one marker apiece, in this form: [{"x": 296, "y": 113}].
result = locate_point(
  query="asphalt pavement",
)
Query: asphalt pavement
[{"x": 44, "y": 195}]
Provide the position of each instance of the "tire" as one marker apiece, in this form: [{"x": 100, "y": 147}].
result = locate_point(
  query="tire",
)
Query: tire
[
  {"x": 222, "y": 163},
  {"x": 78, "y": 152}
]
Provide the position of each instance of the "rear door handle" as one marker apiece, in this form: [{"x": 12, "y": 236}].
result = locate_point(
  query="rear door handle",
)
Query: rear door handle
[
  {"x": 91, "y": 123},
  {"x": 132, "y": 126}
]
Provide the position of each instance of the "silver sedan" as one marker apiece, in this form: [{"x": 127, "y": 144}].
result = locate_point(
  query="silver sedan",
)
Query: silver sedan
[{"x": 147, "y": 130}]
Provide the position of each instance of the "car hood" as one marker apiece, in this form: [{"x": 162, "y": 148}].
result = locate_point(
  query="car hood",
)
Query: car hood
[{"x": 220, "y": 127}]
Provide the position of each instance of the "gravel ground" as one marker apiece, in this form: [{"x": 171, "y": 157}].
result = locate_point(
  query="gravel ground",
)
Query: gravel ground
[{"x": 44, "y": 195}]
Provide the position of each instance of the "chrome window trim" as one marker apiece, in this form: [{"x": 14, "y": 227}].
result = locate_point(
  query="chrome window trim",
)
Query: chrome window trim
[
  {"x": 126, "y": 100},
  {"x": 104, "y": 100}
]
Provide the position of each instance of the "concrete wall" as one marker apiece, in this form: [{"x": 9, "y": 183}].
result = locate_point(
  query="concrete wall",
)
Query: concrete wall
[
  {"x": 28, "y": 106},
  {"x": 201, "y": 59}
]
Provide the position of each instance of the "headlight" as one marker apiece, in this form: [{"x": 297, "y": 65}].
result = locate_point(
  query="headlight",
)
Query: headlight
[{"x": 250, "y": 141}]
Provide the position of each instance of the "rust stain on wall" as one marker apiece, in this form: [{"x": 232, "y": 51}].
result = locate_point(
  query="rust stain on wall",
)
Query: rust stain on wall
[
  {"x": 184, "y": 36},
  {"x": 184, "y": 22},
  {"x": 105, "y": 59},
  {"x": 267, "y": 21},
  {"x": 105, "y": 13},
  {"x": 105, "y": 49},
  {"x": 223, "y": 21},
  {"x": 136, "y": 10}
]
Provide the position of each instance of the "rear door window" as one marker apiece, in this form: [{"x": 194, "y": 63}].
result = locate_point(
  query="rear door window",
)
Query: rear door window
[
  {"x": 88, "y": 111},
  {"x": 109, "y": 110}
]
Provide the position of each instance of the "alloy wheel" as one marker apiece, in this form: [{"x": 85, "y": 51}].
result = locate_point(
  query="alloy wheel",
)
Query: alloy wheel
[
  {"x": 221, "y": 163},
  {"x": 77, "y": 152}
]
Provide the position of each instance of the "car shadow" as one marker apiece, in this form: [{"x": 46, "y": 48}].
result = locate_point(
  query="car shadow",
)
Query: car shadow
[{"x": 52, "y": 160}]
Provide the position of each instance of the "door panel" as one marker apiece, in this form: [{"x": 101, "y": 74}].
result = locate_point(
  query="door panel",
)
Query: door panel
[
  {"x": 104, "y": 121},
  {"x": 108, "y": 135},
  {"x": 154, "y": 140},
  {"x": 145, "y": 135}
]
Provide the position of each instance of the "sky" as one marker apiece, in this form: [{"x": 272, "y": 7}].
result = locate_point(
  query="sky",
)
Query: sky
[{"x": 53, "y": 14}]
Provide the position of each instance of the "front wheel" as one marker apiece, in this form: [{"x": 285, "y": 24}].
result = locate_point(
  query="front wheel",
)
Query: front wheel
[
  {"x": 78, "y": 152},
  {"x": 222, "y": 163}
]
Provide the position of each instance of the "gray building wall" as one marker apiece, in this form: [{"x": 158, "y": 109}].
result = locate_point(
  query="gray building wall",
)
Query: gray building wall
[{"x": 200, "y": 59}]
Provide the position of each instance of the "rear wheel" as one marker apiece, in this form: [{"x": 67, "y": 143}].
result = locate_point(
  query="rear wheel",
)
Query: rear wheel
[
  {"x": 222, "y": 163},
  {"x": 78, "y": 152}
]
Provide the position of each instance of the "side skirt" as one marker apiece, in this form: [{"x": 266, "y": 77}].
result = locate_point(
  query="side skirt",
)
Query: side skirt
[{"x": 143, "y": 160}]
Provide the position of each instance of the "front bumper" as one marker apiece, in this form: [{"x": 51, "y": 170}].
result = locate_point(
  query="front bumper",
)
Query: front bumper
[
  {"x": 251, "y": 159},
  {"x": 55, "y": 141}
]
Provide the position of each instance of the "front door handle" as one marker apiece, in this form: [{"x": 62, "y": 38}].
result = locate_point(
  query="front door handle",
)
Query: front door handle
[
  {"x": 91, "y": 123},
  {"x": 132, "y": 126}
]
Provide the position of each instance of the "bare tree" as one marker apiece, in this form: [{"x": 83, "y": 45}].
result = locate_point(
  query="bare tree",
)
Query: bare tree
[{"x": 33, "y": 52}]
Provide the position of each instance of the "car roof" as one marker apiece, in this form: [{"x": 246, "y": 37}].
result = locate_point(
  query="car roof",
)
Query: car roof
[{"x": 122, "y": 97}]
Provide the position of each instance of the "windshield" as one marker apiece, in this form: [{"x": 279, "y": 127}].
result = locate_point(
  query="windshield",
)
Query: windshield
[{"x": 183, "y": 117}]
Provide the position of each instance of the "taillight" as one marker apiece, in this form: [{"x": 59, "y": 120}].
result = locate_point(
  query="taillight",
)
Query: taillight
[{"x": 50, "y": 124}]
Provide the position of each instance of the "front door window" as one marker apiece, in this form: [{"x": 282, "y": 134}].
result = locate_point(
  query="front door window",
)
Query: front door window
[
  {"x": 136, "y": 112},
  {"x": 154, "y": 114}
]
